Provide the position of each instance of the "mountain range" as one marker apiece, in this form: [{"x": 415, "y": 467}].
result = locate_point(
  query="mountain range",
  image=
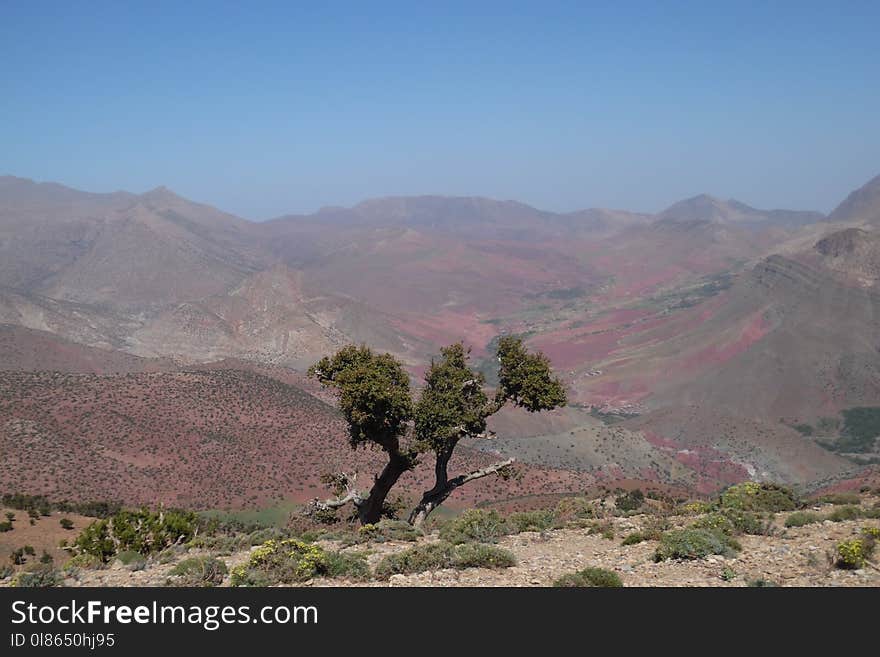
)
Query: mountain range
[{"x": 705, "y": 344}]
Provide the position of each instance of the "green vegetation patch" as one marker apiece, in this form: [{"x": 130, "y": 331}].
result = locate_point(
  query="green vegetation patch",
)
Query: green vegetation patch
[
  {"x": 590, "y": 577},
  {"x": 199, "y": 571},
  {"x": 144, "y": 532},
  {"x": 753, "y": 496},
  {"x": 440, "y": 555},
  {"x": 694, "y": 543},
  {"x": 291, "y": 561}
]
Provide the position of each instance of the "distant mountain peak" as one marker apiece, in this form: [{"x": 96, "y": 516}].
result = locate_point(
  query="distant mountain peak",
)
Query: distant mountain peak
[{"x": 861, "y": 205}]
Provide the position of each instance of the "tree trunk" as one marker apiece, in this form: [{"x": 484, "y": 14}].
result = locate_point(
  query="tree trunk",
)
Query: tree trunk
[
  {"x": 444, "y": 486},
  {"x": 370, "y": 510}
]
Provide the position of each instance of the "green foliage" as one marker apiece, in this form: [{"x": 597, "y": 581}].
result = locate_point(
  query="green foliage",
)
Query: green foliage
[
  {"x": 861, "y": 428},
  {"x": 132, "y": 559},
  {"x": 474, "y": 525},
  {"x": 843, "y": 513},
  {"x": 290, "y": 561},
  {"x": 694, "y": 544},
  {"x": 631, "y": 501},
  {"x": 803, "y": 429},
  {"x": 388, "y": 530},
  {"x": 198, "y": 571},
  {"x": 374, "y": 393},
  {"x": 142, "y": 531},
  {"x": 83, "y": 561},
  {"x": 634, "y": 538},
  {"x": 5, "y": 526},
  {"x": 733, "y": 521},
  {"x": 42, "y": 576},
  {"x": 590, "y": 577},
  {"x": 801, "y": 518},
  {"x": 574, "y": 511},
  {"x": 66, "y": 523},
  {"x": 440, "y": 555},
  {"x": 41, "y": 506},
  {"x": 526, "y": 379},
  {"x": 753, "y": 496},
  {"x": 728, "y": 574},
  {"x": 6, "y": 571},
  {"x": 530, "y": 521},
  {"x": 855, "y": 552},
  {"x": 479, "y": 555},
  {"x": 761, "y": 584},
  {"x": 452, "y": 402},
  {"x": 840, "y": 498}
]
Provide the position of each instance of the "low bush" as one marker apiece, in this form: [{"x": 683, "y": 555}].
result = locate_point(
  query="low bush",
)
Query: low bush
[
  {"x": 761, "y": 584},
  {"x": 388, "y": 530},
  {"x": 290, "y": 560},
  {"x": 634, "y": 538},
  {"x": 574, "y": 512},
  {"x": 694, "y": 544},
  {"x": 840, "y": 498},
  {"x": 734, "y": 522},
  {"x": 42, "y": 576},
  {"x": 83, "y": 561},
  {"x": 530, "y": 521},
  {"x": 631, "y": 501},
  {"x": 198, "y": 571},
  {"x": 842, "y": 513},
  {"x": 696, "y": 508},
  {"x": 752, "y": 496},
  {"x": 801, "y": 518},
  {"x": 590, "y": 577},
  {"x": 855, "y": 552},
  {"x": 474, "y": 526},
  {"x": 141, "y": 531},
  {"x": 442, "y": 554},
  {"x": 5, "y": 526}
]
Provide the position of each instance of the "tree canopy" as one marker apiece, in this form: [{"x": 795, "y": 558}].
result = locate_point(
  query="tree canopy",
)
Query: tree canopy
[{"x": 376, "y": 401}]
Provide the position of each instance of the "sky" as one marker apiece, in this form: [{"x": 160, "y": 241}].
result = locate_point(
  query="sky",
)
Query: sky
[{"x": 264, "y": 108}]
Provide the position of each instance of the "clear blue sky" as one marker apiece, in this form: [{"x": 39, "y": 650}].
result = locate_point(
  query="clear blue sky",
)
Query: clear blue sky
[{"x": 272, "y": 108}]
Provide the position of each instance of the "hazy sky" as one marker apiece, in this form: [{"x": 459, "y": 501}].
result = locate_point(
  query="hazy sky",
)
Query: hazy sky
[{"x": 272, "y": 108}]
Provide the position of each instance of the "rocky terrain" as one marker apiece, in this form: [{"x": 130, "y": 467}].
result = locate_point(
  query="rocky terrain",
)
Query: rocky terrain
[{"x": 786, "y": 556}]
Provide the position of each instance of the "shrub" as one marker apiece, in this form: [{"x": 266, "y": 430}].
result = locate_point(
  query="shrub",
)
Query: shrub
[
  {"x": 840, "y": 498},
  {"x": 855, "y": 552},
  {"x": 42, "y": 576},
  {"x": 5, "y": 526},
  {"x": 603, "y": 527},
  {"x": 733, "y": 522},
  {"x": 630, "y": 501},
  {"x": 761, "y": 584},
  {"x": 440, "y": 555},
  {"x": 388, "y": 530},
  {"x": 199, "y": 571},
  {"x": 842, "y": 513},
  {"x": 696, "y": 508},
  {"x": 574, "y": 511},
  {"x": 590, "y": 577},
  {"x": 140, "y": 531},
  {"x": 634, "y": 539},
  {"x": 694, "y": 544},
  {"x": 474, "y": 525},
  {"x": 478, "y": 555},
  {"x": 801, "y": 518},
  {"x": 85, "y": 561},
  {"x": 290, "y": 560},
  {"x": 66, "y": 523},
  {"x": 129, "y": 557},
  {"x": 728, "y": 574},
  {"x": 752, "y": 496},
  {"x": 6, "y": 571},
  {"x": 530, "y": 521}
]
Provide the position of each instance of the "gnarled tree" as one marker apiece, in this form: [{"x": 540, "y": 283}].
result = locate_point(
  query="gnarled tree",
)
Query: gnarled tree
[
  {"x": 374, "y": 397},
  {"x": 453, "y": 406}
]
